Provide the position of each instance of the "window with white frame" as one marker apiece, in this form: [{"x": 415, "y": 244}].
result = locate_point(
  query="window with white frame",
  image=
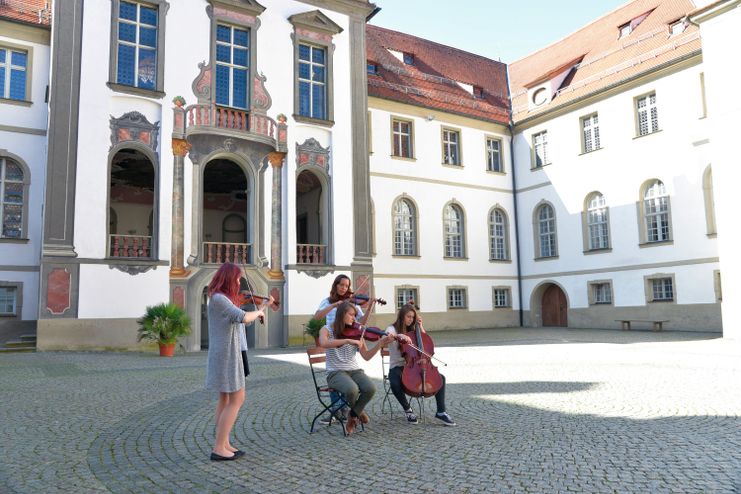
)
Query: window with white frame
[
  {"x": 502, "y": 298},
  {"x": 662, "y": 289},
  {"x": 498, "y": 244},
  {"x": 547, "y": 231},
  {"x": 590, "y": 133},
  {"x": 312, "y": 81},
  {"x": 137, "y": 45},
  {"x": 540, "y": 149},
  {"x": 402, "y": 134},
  {"x": 453, "y": 224},
  {"x": 494, "y": 155},
  {"x": 656, "y": 212},
  {"x": 597, "y": 222},
  {"x": 232, "y": 66},
  {"x": 13, "y": 72},
  {"x": 456, "y": 298},
  {"x": 405, "y": 228},
  {"x": 601, "y": 293},
  {"x": 11, "y": 198},
  {"x": 8, "y": 295},
  {"x": 451, "y": 147},
  {"x": 406, "y": 294},
  {"x": 647, "y": 114}
]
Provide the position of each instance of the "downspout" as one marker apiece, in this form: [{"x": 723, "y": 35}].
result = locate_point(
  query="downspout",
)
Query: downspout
[{"x": 511, "y": 127}]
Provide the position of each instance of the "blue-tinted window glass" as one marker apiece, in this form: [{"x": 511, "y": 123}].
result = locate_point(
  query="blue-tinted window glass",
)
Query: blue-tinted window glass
[
  {"x": 125, "y": 74},
  {"x": 304, "y": 70},
  {"x": 222, "y": 85},
  {"x": 18, "y": 58},
  {"x": 127, "y": 11},
  {"x": 241, "y": 38},
  {"x": 317, "y": 55},
  {"x": 304, "y": 52},
  {"x": 17, "y": 84},
  {"x": 240, "y": 57},
  {"x": 148, "y": 16},
  {"x": 317, "y": 110},
  {"x": 240, "y": 88},
  {"x": 318, "y": 75},
  {"x": 304, "y": 99},
  {"x": 127, "y": 32},
  {"x": 2, "y": 82},
  {"x": 147, "y": 69},
  {"x": 223, "y": 33},
  {"x": 223, "y": 53},
  {"x": 2, "y": 56},
  {"x": 148, "y": 37}
]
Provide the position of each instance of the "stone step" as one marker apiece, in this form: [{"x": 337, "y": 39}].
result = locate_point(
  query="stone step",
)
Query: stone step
[
  {"x": 20, "y": 344},
  {"x": 31, "y": 338},
  {"x": 17, "y": 350}
]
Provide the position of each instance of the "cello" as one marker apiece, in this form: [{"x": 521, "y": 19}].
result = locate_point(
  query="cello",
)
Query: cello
[{"x": 420, "y": 378}]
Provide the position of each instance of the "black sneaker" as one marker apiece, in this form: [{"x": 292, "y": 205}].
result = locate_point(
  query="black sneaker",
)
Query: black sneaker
[
  {"x": 445, "y": 418},
  {"x": 411, "y": 418}
]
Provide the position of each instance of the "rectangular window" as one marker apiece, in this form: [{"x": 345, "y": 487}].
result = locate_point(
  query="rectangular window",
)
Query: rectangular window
[
  {"x": 312, "y": 81},
  {"x": 662, "y": 289},
  {"x": 7, "y": 300},
  {"x": 451, "y": 147},
  {"x": 11, "y": 199},
  {"x": 137, "y": 45},
  {"x": 13, "y": 65},
  {"x": 372, "y": 68},
  {"x": 647, "y": 114},
  {"x": 404, "y": 295},
  {"x": 590, "y": 133},
  {"x": 456, "y": 298},
  {"x": 601, "y": 293},
  {"x": 408, "y": 58},
  {"x": 540, "y": 149},
  {"x": 402, "y": 131},
  {"x": 494, "y": 155},
  {"x": 232, "y": 66},
  {"x": 501, "y": 298}
]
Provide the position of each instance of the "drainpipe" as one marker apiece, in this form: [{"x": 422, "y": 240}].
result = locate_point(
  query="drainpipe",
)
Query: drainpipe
[{"x": 511, "y": 127}]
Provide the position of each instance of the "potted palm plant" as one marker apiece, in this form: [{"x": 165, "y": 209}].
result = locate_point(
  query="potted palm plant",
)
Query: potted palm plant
[
  {"x": 164, "y": 323},
  {"x": 313, "y": 326}
]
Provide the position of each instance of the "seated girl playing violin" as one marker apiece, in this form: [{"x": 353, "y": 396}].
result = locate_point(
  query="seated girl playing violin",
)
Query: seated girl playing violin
[
  {"x": 340, "y": 293},
  {"x": 343, "y": 372},
  {"x": 404, "y": 326}
]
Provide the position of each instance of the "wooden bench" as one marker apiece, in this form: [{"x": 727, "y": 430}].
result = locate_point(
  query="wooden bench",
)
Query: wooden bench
[{"x": 658, "y": 325}]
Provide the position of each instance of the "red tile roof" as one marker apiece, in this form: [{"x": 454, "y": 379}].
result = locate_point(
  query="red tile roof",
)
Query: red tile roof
[
  {"x": 607, "y": 60},
  {"x": 432, "y": 81},
  {"x": 36, "y": 12}
]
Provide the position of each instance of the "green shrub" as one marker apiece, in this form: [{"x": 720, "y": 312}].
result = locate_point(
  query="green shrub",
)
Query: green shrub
[{"x": 163, "y": 323}]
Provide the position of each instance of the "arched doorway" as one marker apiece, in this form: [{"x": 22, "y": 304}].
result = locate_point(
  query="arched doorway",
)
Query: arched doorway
[
  {"x": 226, "y": 220},
  {"x": 554, "y": 307}
]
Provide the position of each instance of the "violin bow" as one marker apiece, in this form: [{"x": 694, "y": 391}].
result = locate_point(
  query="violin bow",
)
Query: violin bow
[{"x": 252, "y": 294}]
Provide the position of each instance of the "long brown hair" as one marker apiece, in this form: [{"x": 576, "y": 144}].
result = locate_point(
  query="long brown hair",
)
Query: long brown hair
[
  {"x": 338, "y": 328},
  {"x": 224, "y": 281},
  {"x": 333, "y": 297},
  {"x": 399, "y": 323}
]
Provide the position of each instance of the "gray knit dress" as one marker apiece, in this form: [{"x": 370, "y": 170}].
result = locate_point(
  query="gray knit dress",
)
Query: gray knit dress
[{"x": 225, "y": 371}]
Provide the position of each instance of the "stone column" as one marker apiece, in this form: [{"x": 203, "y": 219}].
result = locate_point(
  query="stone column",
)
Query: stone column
[
  {"x": 276, "y": 224},
  {"x": 179, "y": 150}
]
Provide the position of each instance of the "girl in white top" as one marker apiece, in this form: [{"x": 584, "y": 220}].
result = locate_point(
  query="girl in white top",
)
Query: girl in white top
[{"x": 337, "y": 295}]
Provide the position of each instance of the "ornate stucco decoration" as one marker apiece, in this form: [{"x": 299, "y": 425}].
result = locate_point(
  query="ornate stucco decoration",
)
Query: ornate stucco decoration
[
  {"x": 316, "y": 273},
  {"x": 202, "y": 83},
  {"x": 133, "y": 126},
  {"x": 315, "y": 24},
  {"x": 312, "y": 153},
  {"x": 261, "y": 100},
  {"x": 132, "y": 269},
  {"x": 242, "y": 11}
]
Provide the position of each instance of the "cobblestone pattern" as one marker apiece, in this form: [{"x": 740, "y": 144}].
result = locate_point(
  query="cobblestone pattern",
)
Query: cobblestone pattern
[{"x": 537, "y": 411}]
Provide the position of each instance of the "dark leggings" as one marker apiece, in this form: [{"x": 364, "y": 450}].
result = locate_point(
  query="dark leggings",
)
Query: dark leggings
[{"x": 395, "y": 382}]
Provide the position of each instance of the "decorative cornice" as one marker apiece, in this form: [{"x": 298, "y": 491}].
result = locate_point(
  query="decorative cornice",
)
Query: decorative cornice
[
  {"x": 315, "y": 21},
  {"x": 249, "y": 7},
  {"x": 133, "y": 126}
]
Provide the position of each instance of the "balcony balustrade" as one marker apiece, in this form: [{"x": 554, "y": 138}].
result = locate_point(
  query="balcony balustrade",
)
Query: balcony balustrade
[
  {"x": 220, "y": 252},
  {"x": 130, "y": 246},
  {"x": 311, "y": 254}
]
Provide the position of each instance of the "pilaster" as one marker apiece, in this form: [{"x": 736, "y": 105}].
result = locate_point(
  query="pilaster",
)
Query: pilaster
[{"x": 276, "y": 225}]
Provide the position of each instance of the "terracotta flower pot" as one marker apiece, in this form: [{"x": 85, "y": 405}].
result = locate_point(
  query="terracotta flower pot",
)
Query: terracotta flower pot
[{"x": 167, "y": 349}]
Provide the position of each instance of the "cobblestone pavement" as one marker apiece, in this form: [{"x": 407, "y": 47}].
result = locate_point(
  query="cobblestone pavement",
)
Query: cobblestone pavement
[{"x": 538, "y": 410}]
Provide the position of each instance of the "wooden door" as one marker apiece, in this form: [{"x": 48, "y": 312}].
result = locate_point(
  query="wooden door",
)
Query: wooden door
[{"x": 554, "y": 308}]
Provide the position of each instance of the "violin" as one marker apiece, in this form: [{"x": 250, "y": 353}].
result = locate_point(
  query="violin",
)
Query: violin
[
  {"x": 361, "y": 298},
  {"x": 256, "y": 300},
  {"x": 355, "y": 331},
  {"x": 420, "y": 377}
]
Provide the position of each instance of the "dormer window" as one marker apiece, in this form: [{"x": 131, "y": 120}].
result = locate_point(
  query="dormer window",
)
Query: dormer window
[
  {"x": 372, "y": 69},
  {"x": 625, "y": 30},
  {"x": 408, "y": 58},
  {"x": 677, "y": 27},
  {"x": 478, "y": 92}
]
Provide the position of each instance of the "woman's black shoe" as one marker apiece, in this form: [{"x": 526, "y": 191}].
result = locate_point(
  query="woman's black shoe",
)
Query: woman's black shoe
[{"x": 215, "y": 457}]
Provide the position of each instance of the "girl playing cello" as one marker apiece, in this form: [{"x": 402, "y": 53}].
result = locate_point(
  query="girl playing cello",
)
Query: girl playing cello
[{"x": 404, "y": 326}]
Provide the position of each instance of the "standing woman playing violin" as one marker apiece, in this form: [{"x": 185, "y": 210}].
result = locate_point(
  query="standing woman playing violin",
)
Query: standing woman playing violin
[
  {"x": 404, "y": 327},
  {"x": 225, "y": 370},
  {"x": 343, "y": 372},
  {"x": 339, "y": 293}
]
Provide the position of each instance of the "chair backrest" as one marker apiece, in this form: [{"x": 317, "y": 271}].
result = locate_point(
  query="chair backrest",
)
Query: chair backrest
[
  {"x": 317, "y": 357},
  {"x": 385, "y": 360}
]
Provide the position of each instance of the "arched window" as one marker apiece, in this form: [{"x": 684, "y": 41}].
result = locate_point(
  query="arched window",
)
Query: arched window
[
  {"x": 312, "y": 216},
  {"x": 498, "y": 235},
  {"x": 454, "y": 231},
  {"x": 656, "y": 212},
  {"x": 13, "y": 198},
  {"x": 546, "y": 228},
  {"x": 405, "y": 228},
  {"x": 707, "y": 192},
  {"x": 597, "y": 222}
]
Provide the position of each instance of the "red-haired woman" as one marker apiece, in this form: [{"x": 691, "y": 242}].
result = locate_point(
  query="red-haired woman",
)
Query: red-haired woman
[{"x": 225, "y": 371}]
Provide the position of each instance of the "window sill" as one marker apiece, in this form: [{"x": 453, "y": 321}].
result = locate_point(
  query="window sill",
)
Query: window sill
[
  {"x": 451, "y": 165},
  {"x": 402, "y": 158},
  {"x": 649, "y": 134},
  {"x": 314, "y": 121},
  {"x": 137, "y": 91},
  {"x": 494, "y": 172},
  {"x": 18, "y": 102},
  {"x": 656, "y": 244},
  {"x": 501, "y": 261},
  {"x": 712, "y": 235},
  {"x": 662, "y": 301},
  {"x": 457, "y": 308},
  {"x": 536, "y": 168},
  {"x": 502, "y": 307},
  {"x": 9, "y": 240},
  {"x": 590, "y": 252},
  {"x": 403, "y": 256},
  {"x": 447, "y": 258},
  {"x": 549, "y": 258},
  {"x": 590, "y": 152},
  {"x": 600, "y": 304}
]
